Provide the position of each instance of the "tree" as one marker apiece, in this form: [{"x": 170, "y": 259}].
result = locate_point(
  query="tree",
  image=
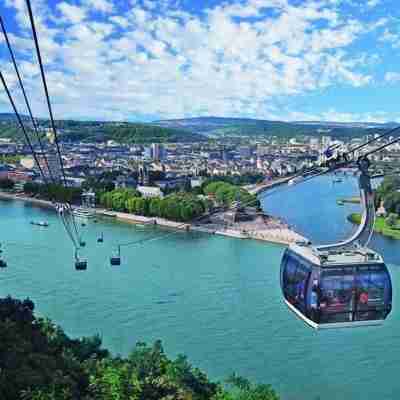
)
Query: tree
[
  {"x": 391, "y": 220},
  {"x": 245, "y": 390},
  {"x": 392, "y": 202},
  {"x": 38, "y": 361}
]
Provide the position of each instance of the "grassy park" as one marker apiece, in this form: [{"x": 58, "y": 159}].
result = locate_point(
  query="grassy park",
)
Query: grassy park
[{"x": 381, "y": 226}]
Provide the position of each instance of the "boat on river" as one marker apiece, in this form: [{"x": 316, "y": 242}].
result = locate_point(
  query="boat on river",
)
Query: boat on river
[
  {"x": 40, "y": 223},
  {"x": 294, "y": 181}
]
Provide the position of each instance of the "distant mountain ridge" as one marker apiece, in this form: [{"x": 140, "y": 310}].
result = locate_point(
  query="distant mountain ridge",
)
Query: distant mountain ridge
[
  {"x": 94, "y": 131},
  {"x": 197, "y": 129},
  {"x": 11, "y": 117},
  {"x": 219, "y": 126}
]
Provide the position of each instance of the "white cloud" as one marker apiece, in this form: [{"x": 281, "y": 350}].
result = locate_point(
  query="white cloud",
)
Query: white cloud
[
  {"x": 72, "y": 14},
  {"x": 390, "y": 37},
  {"x": 104, "y": 6},
  {"x": 168, "y": 62},
  {"x": 373, "y": 3},
  {"x": 392, "y": 77}
]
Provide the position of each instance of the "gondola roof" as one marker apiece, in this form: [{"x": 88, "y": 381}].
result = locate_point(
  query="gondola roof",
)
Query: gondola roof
[{"x": 334, "y": 258}]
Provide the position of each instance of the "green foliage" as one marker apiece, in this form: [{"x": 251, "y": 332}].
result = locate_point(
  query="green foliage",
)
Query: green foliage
[
  {"x": 388, "y": 192},
  {"x": 6, "y": 184},
  {"x": 245, "y": 390},
  {"x": 54, "y": 192},
  {"x": 99, "y": 185},
  {"x": 92, "y": 131},
  {"x": 226, "y": 193},
  {"x": 117, "y": 199},
  {"x": 181, "y": 207},
  {"x": 38, "y": 361},
  {"x": 391, "y": 220},
  {"x": 29, "y": 361},
  {"x": 9, "y": 159},
  {"x": 145, "y": 133},
  {"x": 392, "y": 202},
  {"x": 240, "y": 180},
  {"x": 381, "y": 226}
]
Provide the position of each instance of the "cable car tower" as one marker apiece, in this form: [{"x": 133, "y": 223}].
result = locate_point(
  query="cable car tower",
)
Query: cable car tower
[{"x": 344, "y": 284}]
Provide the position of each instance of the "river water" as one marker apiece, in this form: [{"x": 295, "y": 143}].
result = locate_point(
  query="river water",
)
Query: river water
[{"x": 215, "y": 299}]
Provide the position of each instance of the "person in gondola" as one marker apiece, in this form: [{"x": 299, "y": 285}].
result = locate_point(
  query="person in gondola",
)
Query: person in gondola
[{"x": 314, "y": 302}]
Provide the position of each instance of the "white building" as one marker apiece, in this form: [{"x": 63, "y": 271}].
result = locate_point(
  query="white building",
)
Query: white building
[
  {"x": 150, "y": 191},
  {"x": 157, "y": 151}
]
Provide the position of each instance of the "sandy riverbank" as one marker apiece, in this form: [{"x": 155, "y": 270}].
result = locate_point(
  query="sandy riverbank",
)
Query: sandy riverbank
[{"x": 274, "y": 233}]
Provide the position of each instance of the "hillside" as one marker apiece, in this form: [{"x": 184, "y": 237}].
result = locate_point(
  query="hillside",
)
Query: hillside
[
  {"x": 215, "y": 126},
  {"x": 93, "y": 131},
  {"x": 10, "y": 117},
  {"x": 39, "y": 361},
  {"x": 194, "y": 129}
]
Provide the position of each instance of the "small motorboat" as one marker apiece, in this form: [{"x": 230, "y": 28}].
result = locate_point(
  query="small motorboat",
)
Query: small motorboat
[
  {"x": 40, "y": 223},
  {"x": 295, "y": 180}
]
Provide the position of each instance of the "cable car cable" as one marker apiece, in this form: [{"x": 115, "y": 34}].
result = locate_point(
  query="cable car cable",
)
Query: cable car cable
[
  {"x": 35, "y": 127},
  {"x": 43, "y": 76},
  {"x": 28, "y": 139},
  {"x": 20, "y": 122},
  {"x": 39, "y": 56}
]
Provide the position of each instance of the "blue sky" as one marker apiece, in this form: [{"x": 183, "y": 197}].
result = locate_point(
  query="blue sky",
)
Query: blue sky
[{"x": 141, "y": 60}]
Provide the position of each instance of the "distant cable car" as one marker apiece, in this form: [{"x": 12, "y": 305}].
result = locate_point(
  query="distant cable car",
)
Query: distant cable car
[
  {"x": 339, "y": 285},
  {"x": 80, "y": 265},
  {"x": 3, "y": 264},
  {"x": 100, "y": 239},
  {"x": 116, "y": 260}
]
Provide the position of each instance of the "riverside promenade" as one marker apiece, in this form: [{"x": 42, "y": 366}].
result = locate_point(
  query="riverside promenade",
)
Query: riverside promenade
[
  {"x": 257, "y": 189},
  {"x": 270, "y": 230}
]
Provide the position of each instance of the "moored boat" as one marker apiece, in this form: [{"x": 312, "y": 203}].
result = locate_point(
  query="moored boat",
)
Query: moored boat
[{"x": 40, "y": 223}]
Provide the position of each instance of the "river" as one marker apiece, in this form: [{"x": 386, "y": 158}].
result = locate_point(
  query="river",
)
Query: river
[{"x": 215, "y": 299}]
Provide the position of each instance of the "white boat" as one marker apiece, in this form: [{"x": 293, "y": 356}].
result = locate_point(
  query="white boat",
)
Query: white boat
[
  {"x": 293, "y": 181},
  {"x": 82, "y": 212},
  {"x": 40, "y": 223}
]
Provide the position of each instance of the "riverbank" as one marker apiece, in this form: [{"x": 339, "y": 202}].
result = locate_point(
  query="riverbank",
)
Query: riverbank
[
  {"x": 272, "y": 231},
  {"x": 380, "y": 226},
  {"x": 27, "y": 199},
  {"x": 260, "y": 188}
]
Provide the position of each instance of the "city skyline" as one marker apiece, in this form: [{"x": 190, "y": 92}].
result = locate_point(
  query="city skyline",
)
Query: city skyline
[{"x": 144, "y": 60}]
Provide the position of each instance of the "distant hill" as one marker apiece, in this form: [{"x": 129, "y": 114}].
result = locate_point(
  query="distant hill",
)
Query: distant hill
[
  {"x": 94, "y": 131},
  {"x": 193, "y": 129},
  {"x": 11, "y": 117},
  {"x": 216, "y": 126}
]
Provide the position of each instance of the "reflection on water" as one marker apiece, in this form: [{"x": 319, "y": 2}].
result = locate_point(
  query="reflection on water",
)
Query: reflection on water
[{"x": 213, "y": 298}]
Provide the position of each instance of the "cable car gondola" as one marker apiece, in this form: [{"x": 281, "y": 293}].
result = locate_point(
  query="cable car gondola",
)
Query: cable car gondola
[
  {"x": 3, "y": 264},
  {"x": 100, "y": 239},
  {"x": 339, "y": 285},
  {"x": 116, "y": 260},
  {"x": 80, "y": 265}
]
